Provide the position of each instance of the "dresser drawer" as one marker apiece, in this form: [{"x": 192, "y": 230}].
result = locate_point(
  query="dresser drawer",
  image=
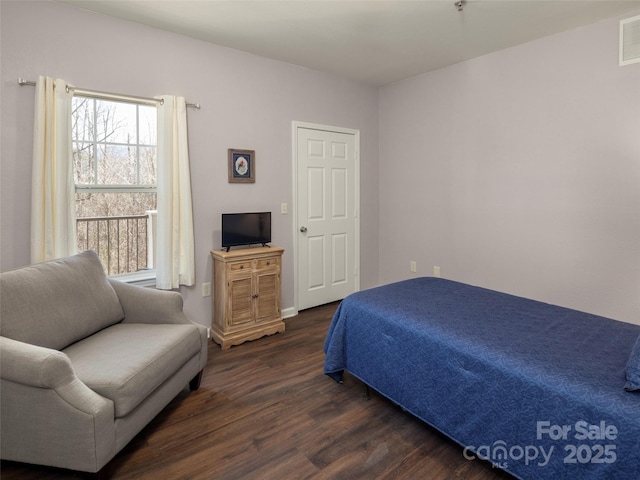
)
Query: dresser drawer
[
  {"x": 240, "y": 266},
  {"x": 268, "y": 262}
]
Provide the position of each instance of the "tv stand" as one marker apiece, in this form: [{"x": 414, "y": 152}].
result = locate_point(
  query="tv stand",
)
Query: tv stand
[{"x": 246, "y": 298}]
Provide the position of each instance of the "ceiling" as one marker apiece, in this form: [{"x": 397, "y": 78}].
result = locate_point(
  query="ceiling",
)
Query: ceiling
[{"x": 373, "y": 41}]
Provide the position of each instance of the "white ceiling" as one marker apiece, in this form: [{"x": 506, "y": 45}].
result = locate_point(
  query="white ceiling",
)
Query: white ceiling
[{"x": 374, "y": 41}]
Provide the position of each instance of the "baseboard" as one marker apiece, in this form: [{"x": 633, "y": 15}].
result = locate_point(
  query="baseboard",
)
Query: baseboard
[{"x": 289, "y": 312}]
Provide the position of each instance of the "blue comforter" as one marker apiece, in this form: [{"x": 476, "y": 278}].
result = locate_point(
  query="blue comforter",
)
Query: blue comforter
[{"x": 534, "y": 388}]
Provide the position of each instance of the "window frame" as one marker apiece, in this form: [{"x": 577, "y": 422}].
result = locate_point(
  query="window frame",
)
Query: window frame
[{"x": 142, "y": 277}]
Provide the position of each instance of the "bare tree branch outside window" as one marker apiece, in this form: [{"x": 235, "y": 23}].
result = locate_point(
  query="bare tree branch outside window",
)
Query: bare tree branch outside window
[{"x": 115, "y": 168}]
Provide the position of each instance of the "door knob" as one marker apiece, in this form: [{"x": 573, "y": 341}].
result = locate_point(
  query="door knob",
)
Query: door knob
[{"x": 303, "y": 229}]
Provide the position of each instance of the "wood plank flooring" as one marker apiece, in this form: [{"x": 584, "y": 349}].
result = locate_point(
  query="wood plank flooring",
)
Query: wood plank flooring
[{"x": 266, "y": 411}]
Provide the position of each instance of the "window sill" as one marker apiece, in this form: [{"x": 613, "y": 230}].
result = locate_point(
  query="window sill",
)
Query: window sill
[{"x": 144, "y": 278}]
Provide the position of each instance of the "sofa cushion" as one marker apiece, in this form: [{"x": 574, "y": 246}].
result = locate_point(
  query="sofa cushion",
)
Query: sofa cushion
[
  {"x": 128, "y": 361},
  {"x": 56, "y": 303}
]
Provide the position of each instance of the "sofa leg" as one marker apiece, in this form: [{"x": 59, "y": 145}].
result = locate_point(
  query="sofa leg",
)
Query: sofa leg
[{"x": 194, "y": 384}]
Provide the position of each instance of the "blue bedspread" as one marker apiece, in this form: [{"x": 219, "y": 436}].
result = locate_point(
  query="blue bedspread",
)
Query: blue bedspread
[{"x": 534, "y": 388}]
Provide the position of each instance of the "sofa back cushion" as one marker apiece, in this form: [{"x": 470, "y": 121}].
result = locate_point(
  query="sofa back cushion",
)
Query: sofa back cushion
[{"x": 56, "y": 303}]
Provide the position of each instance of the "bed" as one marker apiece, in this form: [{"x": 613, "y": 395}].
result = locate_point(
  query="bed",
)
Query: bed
[{"x": 533, "y": 388}]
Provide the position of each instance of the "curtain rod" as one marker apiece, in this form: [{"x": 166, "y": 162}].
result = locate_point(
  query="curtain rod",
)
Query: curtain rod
[{"x": 113, "y": 96}]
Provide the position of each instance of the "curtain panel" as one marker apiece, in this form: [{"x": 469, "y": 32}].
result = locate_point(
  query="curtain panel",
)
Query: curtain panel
[
  {"x": 175, "y": 262},
  {"x": 53, "y": 220}
]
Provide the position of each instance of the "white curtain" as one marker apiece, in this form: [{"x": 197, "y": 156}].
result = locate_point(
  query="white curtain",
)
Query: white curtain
[
  {"x": 53, "y": 222},
  {"x": 175, "y": 264}
]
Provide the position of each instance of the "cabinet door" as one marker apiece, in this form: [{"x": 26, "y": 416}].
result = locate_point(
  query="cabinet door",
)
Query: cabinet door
[
  {"x": 268, "y": 295},
  {"x": 240, "y": 300}
]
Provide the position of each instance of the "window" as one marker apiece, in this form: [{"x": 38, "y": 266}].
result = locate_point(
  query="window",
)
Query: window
[{"x": 115, "y": 164}]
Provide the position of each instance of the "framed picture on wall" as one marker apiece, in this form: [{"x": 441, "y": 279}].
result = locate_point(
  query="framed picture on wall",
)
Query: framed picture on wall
[{"x": 242, "y": 166}]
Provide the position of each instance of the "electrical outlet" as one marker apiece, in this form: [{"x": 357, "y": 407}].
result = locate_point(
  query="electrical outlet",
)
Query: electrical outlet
[
  {"x": 206, "y": 289},
  {"x": 413, "y": 266},
  {"x": 436, "y": 271}
]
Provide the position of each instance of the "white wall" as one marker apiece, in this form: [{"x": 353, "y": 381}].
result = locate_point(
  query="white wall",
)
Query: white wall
[
  {"x": 247, "y": 102},
  {"x": 519, "y": 171}
]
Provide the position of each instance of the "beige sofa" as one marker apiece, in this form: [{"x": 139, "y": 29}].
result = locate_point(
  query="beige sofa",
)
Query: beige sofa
[{"x": 86, "y": 362}]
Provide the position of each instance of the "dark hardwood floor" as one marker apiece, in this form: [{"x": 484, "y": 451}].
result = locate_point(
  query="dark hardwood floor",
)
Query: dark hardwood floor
[{"x": 266, "y": 411}]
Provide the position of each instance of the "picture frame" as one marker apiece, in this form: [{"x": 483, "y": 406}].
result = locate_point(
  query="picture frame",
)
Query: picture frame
[{"x": 242, "y": 166}]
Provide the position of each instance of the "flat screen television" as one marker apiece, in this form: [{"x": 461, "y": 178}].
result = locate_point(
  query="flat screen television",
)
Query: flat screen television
[{"x": 246, "y": 229}]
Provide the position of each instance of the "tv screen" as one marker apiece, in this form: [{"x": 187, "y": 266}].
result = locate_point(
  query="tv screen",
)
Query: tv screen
[{"x": 245, "y": 229}]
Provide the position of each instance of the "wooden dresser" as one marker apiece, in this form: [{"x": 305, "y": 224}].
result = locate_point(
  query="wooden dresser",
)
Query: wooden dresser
[{"x": 246, "y": 295}]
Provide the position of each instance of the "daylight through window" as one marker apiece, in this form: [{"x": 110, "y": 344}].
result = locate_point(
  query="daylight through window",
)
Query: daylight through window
[{"x": 114, "y": 160}]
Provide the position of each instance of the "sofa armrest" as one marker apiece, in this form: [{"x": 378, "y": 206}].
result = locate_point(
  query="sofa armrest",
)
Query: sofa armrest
[
  {"x": 148, "y": 305},
  {"x": 48, "y": 415},
  {"x": 40, "y": 367},
  {"x": 33, "y": 365}
]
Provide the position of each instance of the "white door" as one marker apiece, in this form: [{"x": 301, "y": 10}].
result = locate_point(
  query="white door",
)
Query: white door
[{"x": 327, "y": 225}]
